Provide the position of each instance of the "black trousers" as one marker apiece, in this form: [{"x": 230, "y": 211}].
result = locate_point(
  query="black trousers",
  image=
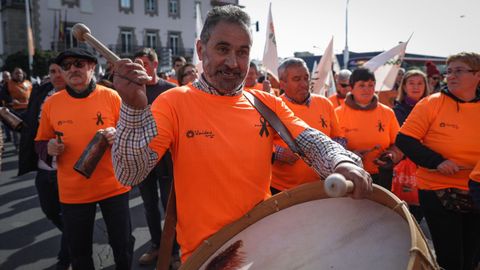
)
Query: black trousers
[
  {"x": 47, "y": 188},
  {"x": 79, "y": 223},
  {"x": 456, "y": 236}
]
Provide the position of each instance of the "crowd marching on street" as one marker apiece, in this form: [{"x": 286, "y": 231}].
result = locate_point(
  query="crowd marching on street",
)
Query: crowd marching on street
[{"x": 194, "y": 132}]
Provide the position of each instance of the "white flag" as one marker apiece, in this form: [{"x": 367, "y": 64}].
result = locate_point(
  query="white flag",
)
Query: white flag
[
  {"x": 386, "y": 66},
  {"x": 320, "y": 86},
  {"x": 314, "y": 68},
  {"x": 198, "y": 30},
  {"x": 270, "y": 55}
]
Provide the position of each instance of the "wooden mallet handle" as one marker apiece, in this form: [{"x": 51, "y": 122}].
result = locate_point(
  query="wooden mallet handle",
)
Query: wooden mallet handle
[
  {"x": 337, "y": 186},
  {"x": 82, "y": 33}
]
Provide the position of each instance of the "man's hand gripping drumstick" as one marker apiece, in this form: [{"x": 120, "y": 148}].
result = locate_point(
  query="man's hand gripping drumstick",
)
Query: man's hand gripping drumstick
[{"x": 129, "y": 77}]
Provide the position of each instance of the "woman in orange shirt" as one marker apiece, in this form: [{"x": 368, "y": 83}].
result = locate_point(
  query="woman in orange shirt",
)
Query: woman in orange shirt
[
  {"x": 370, "y": 128},
  {"x": 441, "y": 136}
]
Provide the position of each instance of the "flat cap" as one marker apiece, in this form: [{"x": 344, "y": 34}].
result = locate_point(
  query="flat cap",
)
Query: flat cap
[{"x": 76, "y": 53}]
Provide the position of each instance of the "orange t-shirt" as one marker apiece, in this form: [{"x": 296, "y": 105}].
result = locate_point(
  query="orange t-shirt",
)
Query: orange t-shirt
[
  {"x": 336, "y": 101},
  {"x": 259, "y": 86},
  {"x": 172, "y": 80},
  {"x": 319, "y": 115},
  {"x": 20, "y": 91},
  {"x": 221, "y": 149},
  {"x": 475, "y": 175},
  {"x": 449, "y": 128},
  {"x": 366, "y": 129},
  {"x": 79, "y": 119}
]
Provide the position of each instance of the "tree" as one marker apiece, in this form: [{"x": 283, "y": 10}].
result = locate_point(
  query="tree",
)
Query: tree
[{"x": 20, "y": 59}]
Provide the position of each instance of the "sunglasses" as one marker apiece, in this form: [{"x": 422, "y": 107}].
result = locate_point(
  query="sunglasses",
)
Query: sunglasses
[
  {"x": 345, "y": 85},
  {"x": 76, "y": 63}
]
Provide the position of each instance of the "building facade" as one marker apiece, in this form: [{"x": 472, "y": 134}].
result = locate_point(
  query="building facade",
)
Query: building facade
[{"x": 122, "y": 25}]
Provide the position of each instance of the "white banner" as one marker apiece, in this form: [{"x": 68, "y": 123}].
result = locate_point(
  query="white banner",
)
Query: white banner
[
  {"x": 270, "y": 55},
  {"x": 319, "y": 78},
  {"x": 386, "y": 66}
]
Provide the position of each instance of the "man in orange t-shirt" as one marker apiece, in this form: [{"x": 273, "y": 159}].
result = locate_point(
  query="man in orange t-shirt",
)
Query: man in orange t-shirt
[
  {"x": 315, "y": 110},
  {"x": 342, "y": 84},
  {"x": 221, "y": 146},
  {"x": 251, "y": 81},
  {"x": 69, "y": 120}
]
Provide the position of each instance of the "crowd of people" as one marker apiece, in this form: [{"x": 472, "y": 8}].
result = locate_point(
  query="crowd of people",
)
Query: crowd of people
[{"x": 199, "y": 135}]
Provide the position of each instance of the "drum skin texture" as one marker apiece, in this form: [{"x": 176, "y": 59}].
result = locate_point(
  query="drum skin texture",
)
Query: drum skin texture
[{"x": 304, "y": 229}]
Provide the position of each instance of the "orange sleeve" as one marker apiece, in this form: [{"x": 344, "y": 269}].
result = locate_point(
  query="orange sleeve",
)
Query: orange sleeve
[
  {"x": 335, "y": 131},
  {"x": 475, "y": 174},
  {"x": 45, "y": 130},
  {"x": 418, "y": 121},
  {"x": 164, "y": 116}
]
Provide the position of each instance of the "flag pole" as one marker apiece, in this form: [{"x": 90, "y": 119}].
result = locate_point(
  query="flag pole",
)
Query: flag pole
[
  {"x": 30, "y": 46},
  {"x": 346, "y": 54}
]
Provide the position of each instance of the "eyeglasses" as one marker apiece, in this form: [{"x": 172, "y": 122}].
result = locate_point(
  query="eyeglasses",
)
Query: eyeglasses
[
  {"x": 344, "y": 85},
  {"x": 458, "y": 72},
  {"x": 76, "y": 63}
]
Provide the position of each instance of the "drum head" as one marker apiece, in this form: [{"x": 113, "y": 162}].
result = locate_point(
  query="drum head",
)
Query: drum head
[{"x": 339, "y": 233}]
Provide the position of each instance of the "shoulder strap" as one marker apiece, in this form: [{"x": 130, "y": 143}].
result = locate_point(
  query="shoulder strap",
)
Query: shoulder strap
[
  {"x": 168, "y": 234},
  {"x": 274, "y": 121}
]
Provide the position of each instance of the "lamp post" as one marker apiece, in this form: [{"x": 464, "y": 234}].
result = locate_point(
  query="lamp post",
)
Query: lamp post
[{"x": 346, "y": 53}]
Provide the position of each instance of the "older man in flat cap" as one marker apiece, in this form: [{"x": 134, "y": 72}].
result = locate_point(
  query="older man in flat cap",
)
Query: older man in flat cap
[{"x": 69, "y": 120}]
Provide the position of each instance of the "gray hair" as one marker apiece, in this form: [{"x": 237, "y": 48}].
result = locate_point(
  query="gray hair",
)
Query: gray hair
[
  {"x": 229, "y": 13},
  {"x": 344, "y": 75},
  {"x": 289, "y": 62}
]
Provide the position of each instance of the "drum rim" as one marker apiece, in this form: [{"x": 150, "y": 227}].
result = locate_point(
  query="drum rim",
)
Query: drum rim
[{"x": 301, "y": 194}]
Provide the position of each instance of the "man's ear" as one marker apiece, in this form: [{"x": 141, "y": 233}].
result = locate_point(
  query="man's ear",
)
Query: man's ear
[{"x": 199, "y": 46}]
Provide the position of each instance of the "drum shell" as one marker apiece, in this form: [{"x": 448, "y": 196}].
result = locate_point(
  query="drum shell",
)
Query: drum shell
[{"x": 419, "y": 254}]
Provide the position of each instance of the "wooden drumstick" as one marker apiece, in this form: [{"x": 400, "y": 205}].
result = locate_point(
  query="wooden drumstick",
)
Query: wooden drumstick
[
  {"x": 337, "y": 186},
  {"x": 82, "y": 33}
]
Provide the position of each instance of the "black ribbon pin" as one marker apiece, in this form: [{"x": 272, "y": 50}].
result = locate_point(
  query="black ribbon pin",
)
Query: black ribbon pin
[
  {"x": 99, "y": 119},
  {"x": 264, "y": 128}
]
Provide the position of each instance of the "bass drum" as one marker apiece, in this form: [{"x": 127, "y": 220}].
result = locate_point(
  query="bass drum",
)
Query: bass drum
[{"x": 303, "y": 228}]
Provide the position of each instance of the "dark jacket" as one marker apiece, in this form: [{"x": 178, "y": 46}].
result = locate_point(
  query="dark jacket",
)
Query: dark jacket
[
  {"x": 28, "y": 158},
  {"x": 401, "y": 110}
]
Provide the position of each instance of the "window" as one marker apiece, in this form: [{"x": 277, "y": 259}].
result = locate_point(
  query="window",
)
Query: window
[
  {"x": 125, "y": 6},
  {"x": 126, "y": 41},
  {"x": 173, "y": 40},
  {"x": 174, "y": 8},
  {"x": 151, "y": 39},
  {"x": 151, "y": 6}
]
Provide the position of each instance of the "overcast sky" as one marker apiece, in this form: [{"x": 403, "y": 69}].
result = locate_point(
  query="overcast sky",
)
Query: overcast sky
[{"x": 439, "y": 27}]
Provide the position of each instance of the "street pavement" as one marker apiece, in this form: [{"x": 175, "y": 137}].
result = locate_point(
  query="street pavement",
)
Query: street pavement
[{"x": 28, "y": 241}]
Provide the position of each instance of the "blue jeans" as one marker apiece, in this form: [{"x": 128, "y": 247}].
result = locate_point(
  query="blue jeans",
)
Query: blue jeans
[
  {"x": 47, "y": 188},
  {"x": 456, "y": 236},
  {"x": 79, "y": 223}
]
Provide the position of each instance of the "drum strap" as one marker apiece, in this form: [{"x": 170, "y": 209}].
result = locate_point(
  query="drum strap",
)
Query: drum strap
[
  {"x": 274, "y": 122},
  {"x": 168, "y": 234}
]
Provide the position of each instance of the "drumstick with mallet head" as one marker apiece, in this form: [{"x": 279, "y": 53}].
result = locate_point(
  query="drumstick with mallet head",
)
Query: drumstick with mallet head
[
  {"x": 82, "y": 33},
  {"x": 336, "y": 185}
]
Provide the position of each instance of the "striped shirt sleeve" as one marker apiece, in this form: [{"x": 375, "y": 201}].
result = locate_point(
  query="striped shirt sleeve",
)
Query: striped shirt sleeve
[
  {"x": 132, "y": 157},
  {"x": 322, "y": 153}
]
